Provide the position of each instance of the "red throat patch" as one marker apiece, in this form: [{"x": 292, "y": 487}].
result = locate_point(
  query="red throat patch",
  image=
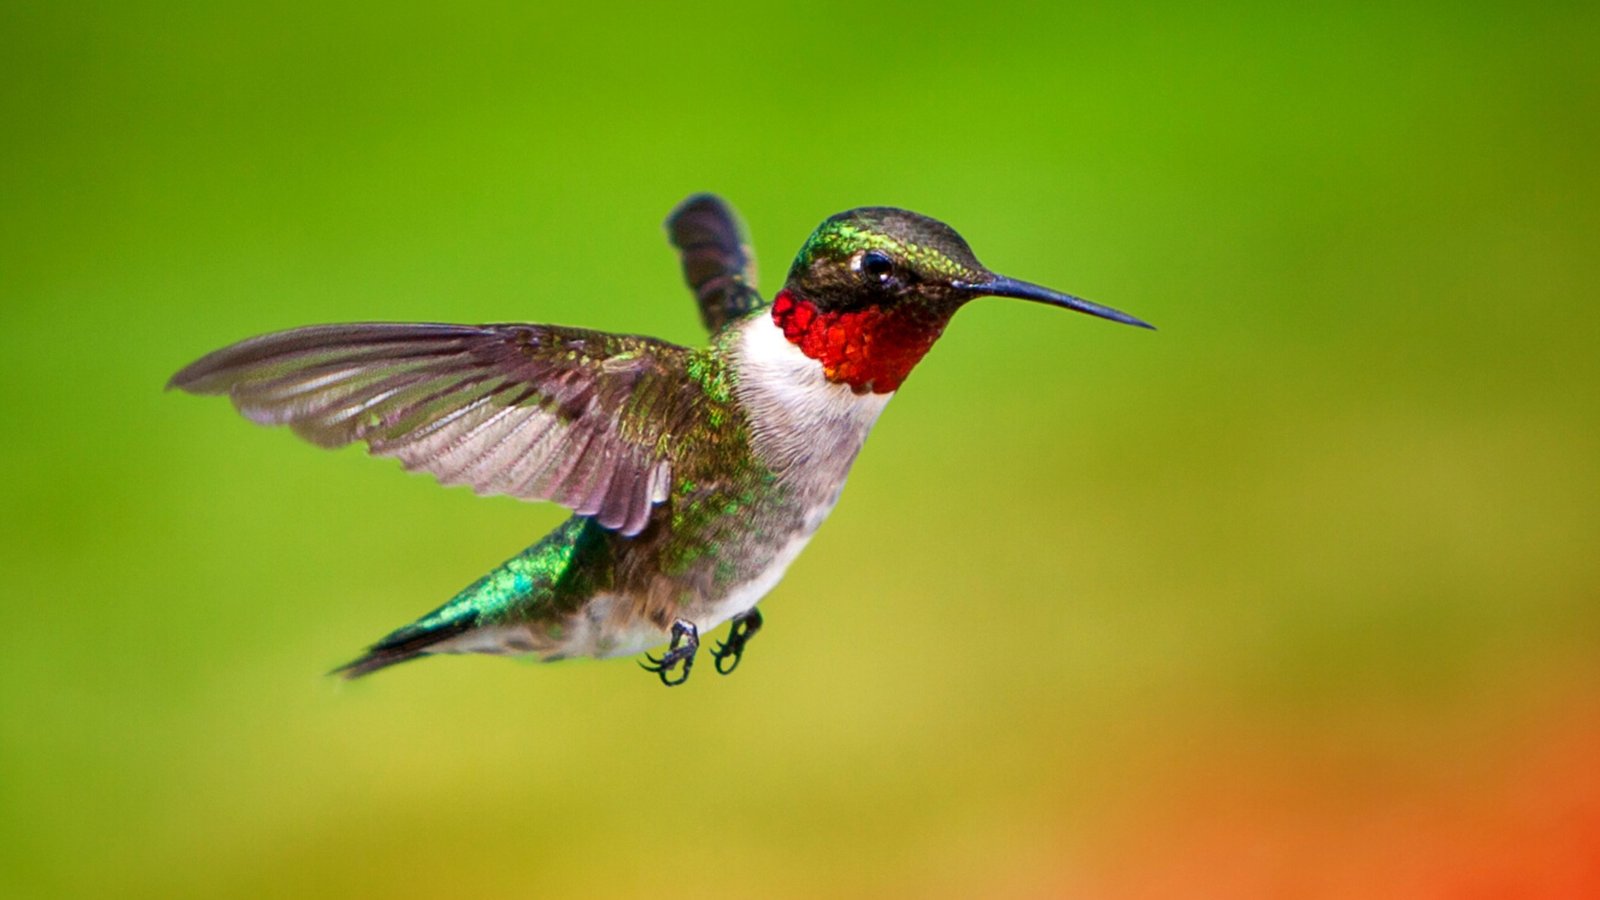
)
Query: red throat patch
[{"x": 871, "y": 349}]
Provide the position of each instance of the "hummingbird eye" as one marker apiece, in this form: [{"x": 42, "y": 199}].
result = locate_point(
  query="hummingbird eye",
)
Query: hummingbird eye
[{"x": 875, "y": 266}]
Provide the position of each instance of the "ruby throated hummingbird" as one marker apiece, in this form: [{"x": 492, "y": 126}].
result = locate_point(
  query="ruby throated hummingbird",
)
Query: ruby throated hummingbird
[{"x": 695, "y": 476}]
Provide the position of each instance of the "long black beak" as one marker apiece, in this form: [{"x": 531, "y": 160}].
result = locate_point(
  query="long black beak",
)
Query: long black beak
[{"x": 1001, "y": 286}]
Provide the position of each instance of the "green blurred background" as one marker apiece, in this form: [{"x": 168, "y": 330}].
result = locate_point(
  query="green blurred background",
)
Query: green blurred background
[{"x": 1299, "y": 596}]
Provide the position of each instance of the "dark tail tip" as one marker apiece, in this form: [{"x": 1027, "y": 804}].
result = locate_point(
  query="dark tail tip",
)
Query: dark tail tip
[
  {"x": 404, "y": 645},
  {"x": 372, "y": 661}
]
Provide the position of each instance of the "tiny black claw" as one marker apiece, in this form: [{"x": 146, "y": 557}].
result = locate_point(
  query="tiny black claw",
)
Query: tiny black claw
[
  {"x": 727, "y": 654},
  {"x": 669, "y": 681},
  {"x": 685, "y": 642},
  {"x": 726, "y": 661}
]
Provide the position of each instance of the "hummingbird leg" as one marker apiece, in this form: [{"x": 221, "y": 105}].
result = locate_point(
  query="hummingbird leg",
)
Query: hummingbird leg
[
  {"x": 685, "y": 642},
  {"x": 728, "y": 653}
]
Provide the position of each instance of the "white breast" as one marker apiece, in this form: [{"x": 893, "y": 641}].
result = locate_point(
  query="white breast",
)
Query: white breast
[{"x": 802, "y": 422}]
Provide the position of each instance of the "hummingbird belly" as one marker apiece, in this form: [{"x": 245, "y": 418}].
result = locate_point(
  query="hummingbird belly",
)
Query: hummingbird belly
[
  {"x": 602, "y": 594},
  {"x": 744, "y": 560},
  {"x": 707, "y": 613},
  {"x": 611, "y": 623}
]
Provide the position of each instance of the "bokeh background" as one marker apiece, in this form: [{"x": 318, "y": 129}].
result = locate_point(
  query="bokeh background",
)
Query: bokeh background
[{"x": 1299, "y": 596}]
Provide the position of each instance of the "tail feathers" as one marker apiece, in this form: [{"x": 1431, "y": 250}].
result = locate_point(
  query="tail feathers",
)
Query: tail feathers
[
  {"x": 516, "y": 586},
  {"x": 406, "y": 644}
]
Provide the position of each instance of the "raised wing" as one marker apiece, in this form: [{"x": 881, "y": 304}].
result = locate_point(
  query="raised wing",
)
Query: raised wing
[
  {"x": 717, "y": 261},
  {"x": 582, "y": 418}
]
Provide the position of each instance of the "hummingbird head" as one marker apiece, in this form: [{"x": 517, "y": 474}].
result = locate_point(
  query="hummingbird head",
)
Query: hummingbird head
[{"x": 874, "y": 287}]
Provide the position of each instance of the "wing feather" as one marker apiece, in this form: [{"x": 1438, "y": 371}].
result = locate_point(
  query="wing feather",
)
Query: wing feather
[
  {"x": 581, "y": 418},
  {"x": 717, "y": 263}
]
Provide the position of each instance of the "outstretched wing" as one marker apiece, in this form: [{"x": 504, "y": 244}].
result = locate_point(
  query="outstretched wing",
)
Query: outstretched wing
[
  {"x": 581, "y": 418},
  {"x": 717, "y": 261}
]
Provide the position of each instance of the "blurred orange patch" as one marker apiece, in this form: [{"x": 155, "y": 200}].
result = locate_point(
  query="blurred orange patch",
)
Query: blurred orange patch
[{"x": 1522, "y": 821}]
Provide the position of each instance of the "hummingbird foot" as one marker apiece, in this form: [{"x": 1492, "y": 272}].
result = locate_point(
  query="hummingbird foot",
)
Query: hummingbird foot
[
  {"x": 685, "y": 643},
  {"x": 727, "y": 654}
]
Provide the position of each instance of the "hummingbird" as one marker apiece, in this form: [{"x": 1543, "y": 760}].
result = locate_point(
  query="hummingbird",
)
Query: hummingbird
[{"x": 695, "y": 476}]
